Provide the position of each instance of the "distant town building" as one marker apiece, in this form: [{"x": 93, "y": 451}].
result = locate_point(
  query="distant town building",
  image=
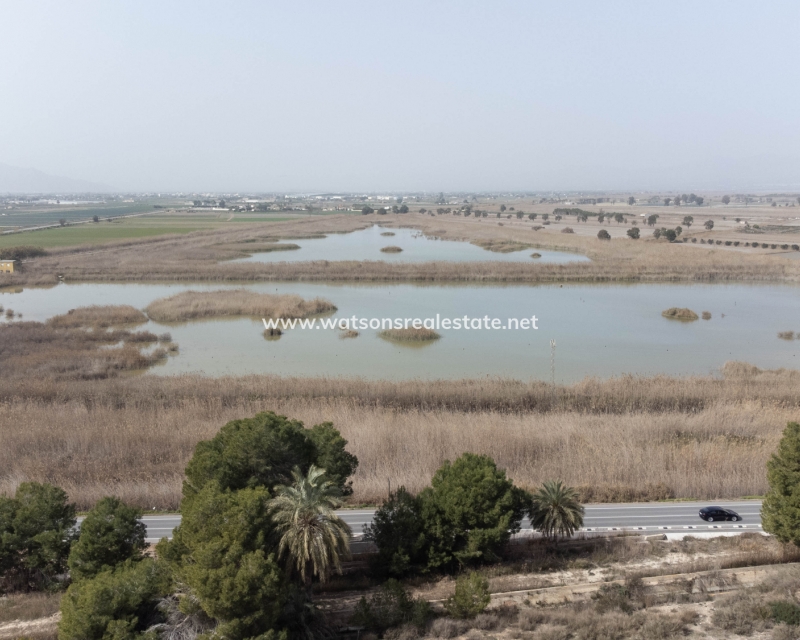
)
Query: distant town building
[{"x": 7, "y": 266}]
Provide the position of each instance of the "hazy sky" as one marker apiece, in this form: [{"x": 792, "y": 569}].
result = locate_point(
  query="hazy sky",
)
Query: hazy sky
[{"x": 403, "y": 95}]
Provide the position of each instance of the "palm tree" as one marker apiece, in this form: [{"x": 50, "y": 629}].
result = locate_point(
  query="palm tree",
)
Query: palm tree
[
  {"x": 314, "y": 539},
  {"x": 556, "y": 510}
]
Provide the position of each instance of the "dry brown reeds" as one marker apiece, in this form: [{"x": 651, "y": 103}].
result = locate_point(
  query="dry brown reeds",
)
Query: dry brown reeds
[
  {"x": 350, "y": 333},
  {"x": 700, "y": 437},
  {"x": 388, "y": 233},
  {"x": 99, "y": 316},
  {"x": 410, "y": 334},
  {"x": 196, "y": 305},
  {"x": 706, "y": 315},
  {"x": 34, "y": 349},
  {"x": 392, "y": 249},
  {"x": 786, "y": 335},
  {"x": 501, "y": 246},
  {"x": 676, "y": 313}
]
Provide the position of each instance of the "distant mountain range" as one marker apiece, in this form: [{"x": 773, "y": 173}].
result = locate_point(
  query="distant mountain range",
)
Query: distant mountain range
[{"x": 19, "y": 180}]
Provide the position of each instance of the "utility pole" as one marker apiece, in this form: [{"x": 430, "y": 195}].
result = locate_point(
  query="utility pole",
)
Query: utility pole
[{"x": 553, "y": 363}]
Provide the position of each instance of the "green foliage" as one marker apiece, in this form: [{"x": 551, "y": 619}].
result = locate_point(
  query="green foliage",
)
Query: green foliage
[
  {"x": 470, "y": 511},
  {"x": 110, "y": 534},
  {"x": 785, "y": 611},
  {"x": 603, "y": 235},
  {"x": 332, "y": 456},
  {"x": 397, "y": 531},
  {"x": 21, "y": 253},
  {"x": 470, "y": 598},
  {"x": 633, "y": 233},
  {"x": 556, "y": 510},
  {"x": 391, "y": 606},
  {"x": 36, "y": 531},
  {"x": 114, "y": 605},
  {"x": 780, "y": 511},
  {"x": 262, "y": 451},
  {"x": 224, "y": 552},
  {"x": 669, "y": 234},
  {"x": 313, "y": 538}
]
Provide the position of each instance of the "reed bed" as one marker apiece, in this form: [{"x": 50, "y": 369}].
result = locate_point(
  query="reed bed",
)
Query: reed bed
[
  {"x": 197, "y": 305},
  {"x": 677, "y": 313},
  {"x": 34, "y": 349},
  {"x": 392, "y": 249},
  {"x": 699, "y": 437},
  {"x": 99, "y": 316},
  {"x": 410, "y": 334}
]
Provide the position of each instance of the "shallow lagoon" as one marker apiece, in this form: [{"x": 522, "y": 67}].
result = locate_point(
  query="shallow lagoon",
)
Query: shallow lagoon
[
  {"x": 366, "y": 244},
  {"x": 599, "y": 330}
]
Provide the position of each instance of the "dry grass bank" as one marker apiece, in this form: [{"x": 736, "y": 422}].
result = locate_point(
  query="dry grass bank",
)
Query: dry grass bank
[
  {"x": 204, "y": 256},
  {"x": 626, "y": 438},
  {"x": 196, "y": 305}
]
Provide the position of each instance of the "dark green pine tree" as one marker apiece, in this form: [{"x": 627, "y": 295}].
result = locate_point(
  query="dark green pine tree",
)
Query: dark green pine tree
[{"x": 780, "y": 512}]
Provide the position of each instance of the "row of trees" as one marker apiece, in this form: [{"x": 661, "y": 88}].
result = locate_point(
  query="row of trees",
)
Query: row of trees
[
  {"x": 367, "y": 210},
  {"x": 259, "y": 527},
  {"x": 464, "y": 518}
]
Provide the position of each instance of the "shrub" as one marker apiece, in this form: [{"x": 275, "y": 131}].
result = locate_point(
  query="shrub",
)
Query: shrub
[
  {"x": 470, "y": 511},
  {"x": 470, "y": 598},
  {"x": 603, "y": 235},
  {"x": 115, "y": 605},
  {"x": 391, "y": 606},
  {"x": 529, "y": 619},
  {"x": 676, "y": 313},
  {"x": 780, "y": 511},
  {"x": 785, "y": 611},
  {"x": 36, "y": 532},
  {"x": 110, "y": 534},
  {"x": 21, "y": 253},
  {"x": 796, "y": 247},
  {"x": 633, "y": 233},
  {"x": 397, "y": 531},
  {"x": 448, "y": 628},
  {"x": 626, "y": 597},
  {"x": 263, "y": 450},
  {"x": 567, "y": 230}
]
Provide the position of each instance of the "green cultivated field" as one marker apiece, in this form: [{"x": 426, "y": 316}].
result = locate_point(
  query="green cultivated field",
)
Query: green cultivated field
[{"x": 129, "y": 228}]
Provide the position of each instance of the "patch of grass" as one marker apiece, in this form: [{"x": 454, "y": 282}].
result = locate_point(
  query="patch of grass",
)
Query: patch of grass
[
  {"x": 536, "y": 255},
  {"x": 502, "y": 246},
  {"x": 410, "y": 335},
  {"x": 99, "y": 316},
  {"x": 388, "y": 233},
  {"x": 392, "y": 249},
  {"x": 28, "y": 606},
  {"x": 350, "y": 333},
  {"x": 198, "y": 305},
  {"x": 786, "y": 335},
  {"x": 677, "y": 313},
  {"x": 706, "y": 315}
]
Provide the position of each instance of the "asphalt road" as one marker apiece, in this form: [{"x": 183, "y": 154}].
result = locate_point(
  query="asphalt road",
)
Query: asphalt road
[{"x": 671, "y": 517}]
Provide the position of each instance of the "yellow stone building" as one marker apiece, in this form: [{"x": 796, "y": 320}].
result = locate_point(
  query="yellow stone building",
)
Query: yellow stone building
[{"x": 7, "y": 266}]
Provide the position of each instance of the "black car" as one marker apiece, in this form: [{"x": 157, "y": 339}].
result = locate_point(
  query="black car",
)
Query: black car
[{"x": 717, "y": 514}]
